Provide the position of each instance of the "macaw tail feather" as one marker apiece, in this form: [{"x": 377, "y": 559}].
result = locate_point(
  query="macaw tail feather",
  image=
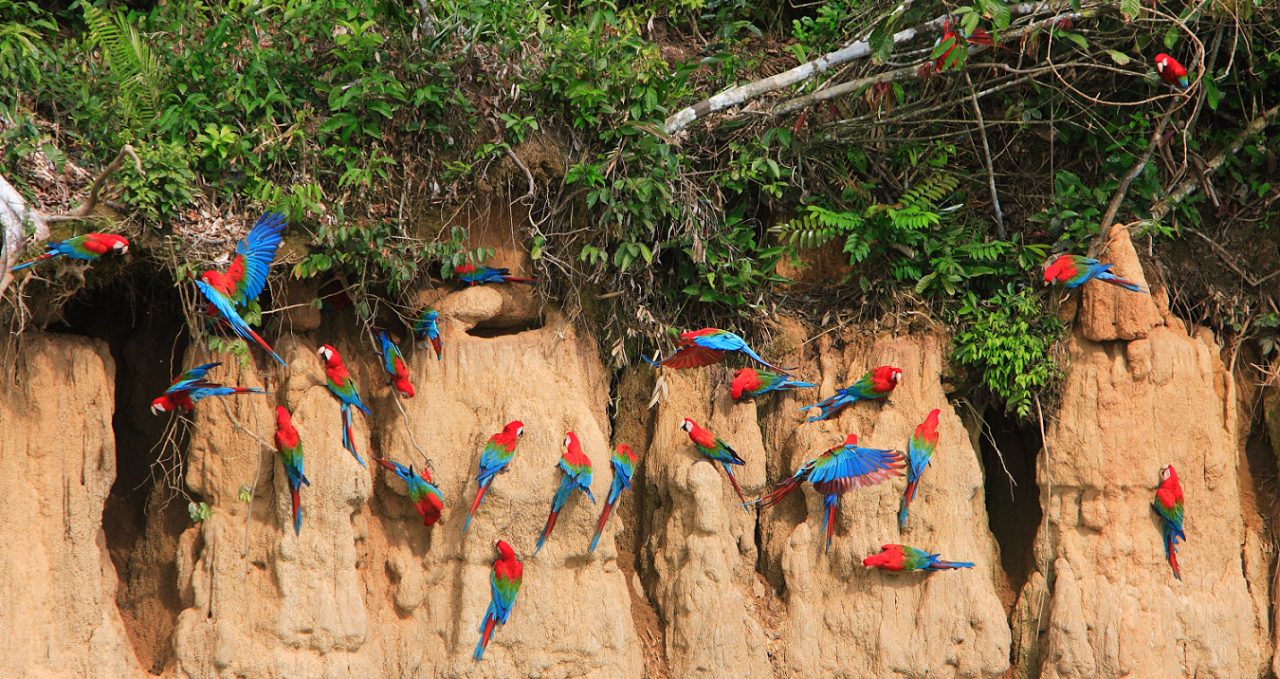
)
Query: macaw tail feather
[
  {"x": 37, "y": 260},
  {"x": 348, "y": 436},
  {"x": 266, "y": 347},
  {"x": 484, "y": 487},
  {"x": 486, "y": 633},
  {"x": 1171, "y": 535},
  {"x": 546, "y": 531},
  {"x": 793, "y": 384},
  {"x": 831, "y": 405},
  {"x": 907, "y": 497},
  {"x": 755, "y": 357},
  {"x": 1122, "y": 282},
  {"x": 519, "y": 279},
  {"x": 248, "y": 390},
  {"x": 297, "y": 512},
  {"x": 734, "y": 480},
  {"x": 435, "y": 344},
  {"x": 604, "y": 518},
  {"x": 832, "y": 502},
  {"x": 783, "y": 489},
  {"x": 949, "y": 565}
]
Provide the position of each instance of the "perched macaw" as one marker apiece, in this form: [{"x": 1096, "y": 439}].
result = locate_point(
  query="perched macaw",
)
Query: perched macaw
[
  {"x": 697, "y": 348},
  {"x": 575, "y": 474},
  {"x": 505, "y": 581},
  {"x": 191, "y": 386},
  {"x": 1171, "y": 71},
  {"x": 751, "y": 382},
  {"x": 476, "y": 275},
  {"x": 425, "y": 496},
  {"x": 343, "y": 387},
  {"x": 88, "y": 247},
  {"x": 428, "y": 330},
  {"x": 837, "y": 471},
  {"x": 1168, "y": 504},
  {"x": 393, "y": 363},
  {"x": 1074, "y": 271},
  {"x": 624, "y": 467},
  {"x": 289, "y": 447},
  {"x": 497, "y": 454},
  {"x": 947, "y": 43},
  {"x": 245, "y": 278},
  {"x": 878, "y": 383},
  {"x": 919, "y": 453},
  {"x": 904, "y": 559},
  {"x": 716, "y": 450}
]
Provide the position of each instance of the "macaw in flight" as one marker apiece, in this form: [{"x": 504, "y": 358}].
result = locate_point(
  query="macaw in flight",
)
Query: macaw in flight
[
  {"x": 1171, "y": 71},
  {"x": 837, "y": 471},
  {"x": 1169, "y": 505},
  {"x": 715, "y": 450},
  {"x": 1073, "y": 271},
  {"x": 575, "y": 475},
  {"x": 497, "y": 454},
  {"x": 88, "y": 248},
  {"x": 876, "y": 384},
  {"x": 343, "y": 387},
  {"x": 244, "y": 280},
  {"x": 904, "y": 559},
  {"x": 393, "y": 363},
  {"x": 191, "y": 386},
  {"x": 753, "y": 382},
  {"x": 624, "y": 467},
  {"x": 505, "y": 585},
  {"x": 476, "y": 275},
  {"x": 427, "y": 330},
  {"x": 919, "y": 452},
  {"x": 289, "y": 448},
  {"x": 697, "y": 348},
  {"x": 424, "y": 495}
]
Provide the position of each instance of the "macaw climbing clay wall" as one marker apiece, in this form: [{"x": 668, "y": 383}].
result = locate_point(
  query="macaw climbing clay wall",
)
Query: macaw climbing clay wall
[{"x": 99, "y": 582}]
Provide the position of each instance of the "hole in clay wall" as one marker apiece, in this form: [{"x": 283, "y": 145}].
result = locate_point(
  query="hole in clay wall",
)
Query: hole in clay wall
[
  {"x": 1013, "y": 513},
  {"x": 139, "y": 317},
  {"x": 498, "y": 327}
]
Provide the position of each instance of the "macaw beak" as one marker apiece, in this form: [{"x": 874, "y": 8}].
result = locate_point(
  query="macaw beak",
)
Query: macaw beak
[{"x": 155, "y": 410}]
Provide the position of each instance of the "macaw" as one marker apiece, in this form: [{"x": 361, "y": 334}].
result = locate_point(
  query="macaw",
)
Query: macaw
[
  {"x": 343, "y": 387},
  {"x": 575, "y": 474},
  {"x": 289, "y": 447},
  {"x": 505, "y": 583},
  {"x": 950, "y": 39},
  {"x": 497, "y": 454},
  {"x": 476, "y": 275},
  {"x": 88, "y": 247},
  {"x": 919, "y": 453},
  {"x": 716, "y": 450},
  {"x": 697, "y": 348},
  {"x": 245, "y": 278},
  {"x": 624, "y": 467},
  {"x": 837, "y": 471},
  {"x": 1171, "y": 71},
  {"x": 393, "y": 363},
  {"x": 191, "y": 386},
  {"x": 425, "y": 496},
  {"x": 878, "y": 383},
  {"x": 428, "y": 330},
  {"x": 904, "y": 559},
  {"x": 1168, "y": 504},
  {"x": 1074, "y": 271},
  {"x": 750, "y": 382}
]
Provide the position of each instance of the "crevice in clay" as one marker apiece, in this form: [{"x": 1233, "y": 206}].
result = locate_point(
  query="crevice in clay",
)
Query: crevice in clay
[
  {"x": 502, "y": 326},
  {"x": 1013, "y": 509}
]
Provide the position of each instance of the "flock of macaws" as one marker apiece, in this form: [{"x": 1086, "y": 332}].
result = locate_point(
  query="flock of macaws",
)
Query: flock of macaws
[{"x": 838, "y": 470}]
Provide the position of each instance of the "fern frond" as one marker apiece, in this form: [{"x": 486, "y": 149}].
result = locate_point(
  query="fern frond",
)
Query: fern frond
[
  {"x": 928, "y": 193},
  {"x": 133, "y": 67},
  {"x": 817, "y": 227}
]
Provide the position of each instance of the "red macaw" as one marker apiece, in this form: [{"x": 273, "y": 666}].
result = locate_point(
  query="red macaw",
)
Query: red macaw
[
  {"x": 423, "y": 493},
  {"x": 876, "y": 384},
  {"x": 715, "y": 449},
  {"x": 697, "y": 348},
  {"x": 505, "y": 585},
  {"x": 919, "y": 452},
  {"x": 343, "y": 387},
  {"x": 393, "y": 363},
  {"x": 289, "y": 447},
  {"x": 575, "y": 474},
  {"x": 753, "y": 382},
  {"x": 1171, "y": 71},
  {"x": 497, "y": 454},
  {"x": 624, "y": 467},
  {"x": 88, "y": 248},
  {"x": 1073, "y": 271},
  {"x": 191, "y": 386},
  {"x": 476, "y": 275},
  {"x": 1169, "y": 505},
  {"x": 245, "y": 278},
  {"x": 904, "y": 559}
]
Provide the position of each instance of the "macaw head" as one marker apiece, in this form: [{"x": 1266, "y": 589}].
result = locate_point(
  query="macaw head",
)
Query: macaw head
[
  {"x": 745, "y": 380},
  {"x": 886, "y": 377},
  {"x": 851, "y": 440},
  {"x": 161, "y": 404},
  {"x": 514, "y": 428},
  {"x": 430, "y": 315},
  {"x": 505, "y": 550},
  {"x": 1057, "y": 269},
  {"x": 283, "y": 419},
  {"x": 688, "y": 425},
  {"x": 403, "y": 385},
  {"x": 330, "y": 356},
  {"x": 890, "y": 556},
  {"x": 1162, "y": 62},
  {"x": 571, "y": 442},
  {"x": 1168, "y": 472},
  {"x": 116, "y": 243},
  {"x": 931, "y": 420}
]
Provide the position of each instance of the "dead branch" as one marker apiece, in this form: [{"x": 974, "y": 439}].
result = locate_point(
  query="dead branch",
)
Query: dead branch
[
  {"x": 87, "y": 208},
  {"x": 986, "y": 154}
]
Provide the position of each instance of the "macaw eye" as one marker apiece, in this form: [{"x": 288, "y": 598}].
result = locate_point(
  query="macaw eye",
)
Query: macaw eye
[
  {"x": 520, "y": 431},
  {"x": 566, "y": 442}
]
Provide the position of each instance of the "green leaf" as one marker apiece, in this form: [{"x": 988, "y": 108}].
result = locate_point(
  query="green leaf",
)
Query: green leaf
[
  {"x": 1120, "y": 58},
  {"x": 1129, "y": 9}
]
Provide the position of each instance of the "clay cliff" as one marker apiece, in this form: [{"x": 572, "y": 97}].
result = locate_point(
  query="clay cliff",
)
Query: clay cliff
[{"x": 103, "y": 574}]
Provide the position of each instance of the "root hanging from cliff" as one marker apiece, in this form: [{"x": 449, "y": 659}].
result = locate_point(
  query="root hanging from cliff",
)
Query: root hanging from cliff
[{"x": 1009, "y": 449}]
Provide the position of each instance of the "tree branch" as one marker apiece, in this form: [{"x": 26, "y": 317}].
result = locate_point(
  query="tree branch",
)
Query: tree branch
[
  {"x": 1109, "y": 217},
  {"x": 986, "y": 153},
  {"x": 87, "y": 208}
]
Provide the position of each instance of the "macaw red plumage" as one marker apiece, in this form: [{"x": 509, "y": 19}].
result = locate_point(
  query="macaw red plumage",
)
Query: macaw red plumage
[
  {"x": 716, "y": 450},
  {"x": 904, "y": 559},
  {"x": 624, "y": 467},
  {"x": 1169, "y": 505},
  {"x": 424, "y": 495},
  {"x": 245, "y": 278},
  {"x": 497, "y": 454},
  {"x": 504, "y": 583},
  {"x": 837, "y": 471},
  {"x": 475, "y": 275},
  {"x": 919, "y": 452},
  {"x": 191, "y": 386},
  {"x": 393, "y": 363},
  {"x": 1073, "y": 271},
  {"x": 697, "y": 348},
  {"x": 753, "y": 382},
  {"x": 1172, "y": 71},
  {"x": 87, "y": 248},
  {"x": 575, "y": 475},
  {"x": 343, "y": 387},
  {"x": 289, "y": 448},
  {"x": 875, "y": 384}
]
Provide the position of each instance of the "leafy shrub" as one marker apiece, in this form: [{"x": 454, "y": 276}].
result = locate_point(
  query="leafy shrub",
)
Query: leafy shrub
[
  {"x": 1008, "y": 340},
  {"x": 167, "y": 186}
]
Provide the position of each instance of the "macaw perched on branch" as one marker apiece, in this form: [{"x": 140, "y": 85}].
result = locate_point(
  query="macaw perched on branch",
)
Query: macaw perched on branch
[
  {"x": 751, "y": 382},
  {"x": 904, "y": 559},
  {"x": 476, "y": 275},
  {"x": 575, "y": 474},
  {"x": 289, "y": 447},
  {"x": 624, "y": 467},
  {"x": 505, "y": 583},
  {"x": 425, "y": 496},
  {"x": 919, "y": 453},
  {"x": 88, "y": 248},
  {"x": 697, "y": 348},
  {"x": 837, "y": 471},
  {"x": 716, "y": 450},
  {"x": 1171, "y": 71},
  {"x": 343, "y": 387},
  {"x": 393, "y": 363},
  {"x": 191, "y": 386},
  {"x": 878, "y": 383},
  {"x": 1074, "y": 271},
  {"x": 245, "y": 278},
  {"x": 1169, "y": 505},
  {"x": 497, "y": 454},
  {"x": 427, "y": 330}
]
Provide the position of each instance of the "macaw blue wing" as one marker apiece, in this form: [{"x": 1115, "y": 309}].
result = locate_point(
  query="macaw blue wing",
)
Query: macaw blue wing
[
  {"x": 256, "y": 251},
  {"x": 228, "y": 311},
  {"x": 864, "y": 466},
  {"x": 191, "y": 379}
]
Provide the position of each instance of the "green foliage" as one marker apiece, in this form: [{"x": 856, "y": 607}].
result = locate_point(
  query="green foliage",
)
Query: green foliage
[
  {"x": 22, "y": 47},
  {"x": 1008, "y": 339},
  {"x": 199, "y": 511},
  {"x": 167, "y": 186},
  {"x": 134, "y": 70},
  {"x": 735, "y": 265}
]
